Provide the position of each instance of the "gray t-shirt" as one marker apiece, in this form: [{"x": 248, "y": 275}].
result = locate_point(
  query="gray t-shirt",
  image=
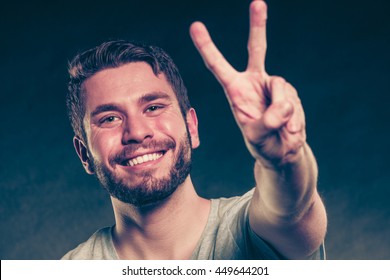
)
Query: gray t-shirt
[{"x": 227, "y": 236}]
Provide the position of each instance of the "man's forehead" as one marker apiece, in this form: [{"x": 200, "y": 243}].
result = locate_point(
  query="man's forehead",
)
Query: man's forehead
[
  {"x": 132, "y": 71},
  {"x": 131, "y": 83},
  {"x": 135, "y": 78}
]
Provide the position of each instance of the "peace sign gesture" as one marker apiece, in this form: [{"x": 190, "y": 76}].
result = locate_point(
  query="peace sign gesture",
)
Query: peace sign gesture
[{"x": 266, "y": 108}]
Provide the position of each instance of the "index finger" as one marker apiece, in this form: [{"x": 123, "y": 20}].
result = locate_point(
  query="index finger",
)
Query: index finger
[
  {"x": 212, "y": 57},
  {"x": 257, "y": 43}
]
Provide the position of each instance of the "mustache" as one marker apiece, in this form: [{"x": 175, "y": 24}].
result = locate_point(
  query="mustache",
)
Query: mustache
[{"x": 130, "y": 149}]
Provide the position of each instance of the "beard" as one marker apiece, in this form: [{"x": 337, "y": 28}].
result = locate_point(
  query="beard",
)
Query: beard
[{"x": 151, "y": 189}]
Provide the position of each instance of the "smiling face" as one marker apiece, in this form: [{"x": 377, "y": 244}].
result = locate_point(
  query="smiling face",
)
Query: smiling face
[{"x": 138, "y": 143}]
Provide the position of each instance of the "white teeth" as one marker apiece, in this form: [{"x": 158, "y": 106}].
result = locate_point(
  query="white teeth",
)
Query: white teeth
[{"x": 144, "y": 158}]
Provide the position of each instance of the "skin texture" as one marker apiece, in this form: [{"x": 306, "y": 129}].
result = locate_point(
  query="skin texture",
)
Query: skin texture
[{"x": 285, "y": 210}]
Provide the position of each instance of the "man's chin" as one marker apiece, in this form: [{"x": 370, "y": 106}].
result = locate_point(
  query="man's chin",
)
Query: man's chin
[{"x": 142, "y": 195}]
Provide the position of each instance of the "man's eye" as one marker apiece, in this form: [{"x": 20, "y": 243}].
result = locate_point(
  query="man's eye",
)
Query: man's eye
[
  {"x": 109, "y": 119},
  {"x": 153, "y": 108}
]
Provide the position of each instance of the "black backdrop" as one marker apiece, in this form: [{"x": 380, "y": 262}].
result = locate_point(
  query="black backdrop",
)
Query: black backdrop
[{"x": 335, "y": 53}]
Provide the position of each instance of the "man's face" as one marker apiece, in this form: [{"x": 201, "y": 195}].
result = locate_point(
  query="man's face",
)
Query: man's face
[{"x": 138, "y": 143}]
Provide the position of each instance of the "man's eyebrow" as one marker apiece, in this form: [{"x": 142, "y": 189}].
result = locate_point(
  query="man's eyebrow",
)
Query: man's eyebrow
[
  {"x": 148, "y": 97},
  {"x": 104, "y": 108}
]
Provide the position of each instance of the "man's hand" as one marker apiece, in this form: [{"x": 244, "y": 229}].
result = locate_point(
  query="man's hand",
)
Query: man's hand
[
  {"x": 266, "y": 108},
  {"x": 285, "y": 209}
]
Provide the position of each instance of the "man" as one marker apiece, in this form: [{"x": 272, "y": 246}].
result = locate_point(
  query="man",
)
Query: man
[{"x": 135, "y": 130}]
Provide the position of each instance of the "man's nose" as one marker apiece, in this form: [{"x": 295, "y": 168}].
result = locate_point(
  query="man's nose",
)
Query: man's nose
[{"x": 136, "y": 130}]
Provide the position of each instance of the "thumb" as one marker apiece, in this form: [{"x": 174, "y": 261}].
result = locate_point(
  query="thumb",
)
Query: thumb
[
  {"x": 277, "y": 115},
  {"x": 274, "y": 118}
]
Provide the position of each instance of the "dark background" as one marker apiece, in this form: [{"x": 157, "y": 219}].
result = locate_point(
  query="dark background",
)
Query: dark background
[{"x": 335, "y": 53}]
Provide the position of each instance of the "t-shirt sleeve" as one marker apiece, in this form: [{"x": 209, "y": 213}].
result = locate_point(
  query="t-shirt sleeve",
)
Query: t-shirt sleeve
[{"x": 98, "y": 247}]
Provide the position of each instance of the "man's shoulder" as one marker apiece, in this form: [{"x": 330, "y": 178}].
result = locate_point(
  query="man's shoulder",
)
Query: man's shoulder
[
  {"x": 228, "y": 234},
  {"x": 99, "y": 246},
  {"x": 226, "y": 206}
]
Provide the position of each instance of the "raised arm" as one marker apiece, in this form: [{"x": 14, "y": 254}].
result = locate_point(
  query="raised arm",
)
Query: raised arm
[{"x": 286, "y": 209}]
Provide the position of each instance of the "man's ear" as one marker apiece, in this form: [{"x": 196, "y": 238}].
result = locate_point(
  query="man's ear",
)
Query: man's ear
[
  {"x": 82, "y": 152},
  {"x": 192, "y": 123}
]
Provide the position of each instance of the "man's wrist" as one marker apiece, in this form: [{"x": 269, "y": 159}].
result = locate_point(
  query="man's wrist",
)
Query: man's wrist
[{"x": 294, "y": 158}]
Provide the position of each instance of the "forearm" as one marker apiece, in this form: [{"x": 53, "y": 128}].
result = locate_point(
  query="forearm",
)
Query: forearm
[
  {"x": 286, "y": 209},
  {"x": 287, "y": 190}
]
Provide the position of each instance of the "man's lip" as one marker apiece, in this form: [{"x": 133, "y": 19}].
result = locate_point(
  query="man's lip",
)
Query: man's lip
[{"x": 125, "y": 161}]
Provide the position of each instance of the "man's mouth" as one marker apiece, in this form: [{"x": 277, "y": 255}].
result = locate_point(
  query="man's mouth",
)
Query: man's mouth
[{"x": 143, "y": 158}]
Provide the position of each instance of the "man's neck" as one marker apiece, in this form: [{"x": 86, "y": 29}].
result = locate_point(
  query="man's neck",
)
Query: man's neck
[{"x": 168, "y": 230}]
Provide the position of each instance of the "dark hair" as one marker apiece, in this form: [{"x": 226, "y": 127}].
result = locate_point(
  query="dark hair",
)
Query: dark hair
[{"x": 111, "y": 55}]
